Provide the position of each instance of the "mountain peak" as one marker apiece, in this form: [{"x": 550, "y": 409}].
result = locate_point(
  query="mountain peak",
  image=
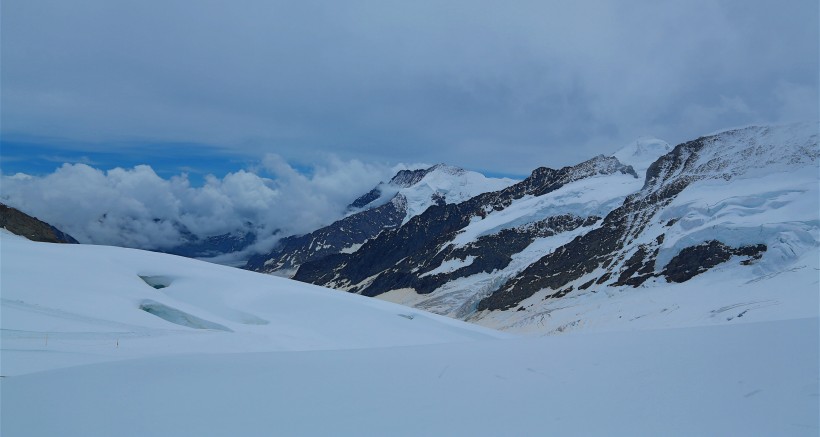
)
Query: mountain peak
[
  {"x": 641, "y": 153},
  {"x": 428, "y": 186},
  {"x": 408, "y": 178},
  {"x": 446, "y": 169},
  {"x": 740, "y": 153}
]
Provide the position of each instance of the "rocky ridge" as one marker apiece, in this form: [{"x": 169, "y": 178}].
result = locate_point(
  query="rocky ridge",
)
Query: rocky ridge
[
  {"x": 20, "y": 223},
  {"x": 401, "y": 258}
]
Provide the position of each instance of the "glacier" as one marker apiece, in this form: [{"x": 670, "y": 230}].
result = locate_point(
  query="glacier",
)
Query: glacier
[{"x": 80, "y": 358}]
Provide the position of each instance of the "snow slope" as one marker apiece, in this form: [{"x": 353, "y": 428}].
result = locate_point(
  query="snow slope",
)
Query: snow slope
[
  {"x": 740, "y": 380},
  {"x": 74, "y": 305},
  {"x": 594, "y": 196}
]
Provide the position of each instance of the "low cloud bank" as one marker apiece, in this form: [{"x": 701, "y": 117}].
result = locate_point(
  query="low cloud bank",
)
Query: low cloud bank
[{"x": 137, "y": 208}]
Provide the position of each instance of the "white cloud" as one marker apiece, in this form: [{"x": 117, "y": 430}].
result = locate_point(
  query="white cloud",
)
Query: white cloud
[
  {"x": 137, "y": 208},
  {"x": 703, "y": 118},
  {"x": 796, "y": 102}
]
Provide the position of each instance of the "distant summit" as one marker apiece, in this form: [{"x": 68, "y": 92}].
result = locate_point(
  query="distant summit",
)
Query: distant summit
[
  {"x": 436, "y": 185},
  {"x": 641, "y": 153}
]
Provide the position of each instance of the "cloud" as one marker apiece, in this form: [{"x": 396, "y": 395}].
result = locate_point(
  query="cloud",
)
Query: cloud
[
  {"x": 703, "y": 116},
  {"x": 543, "y": 83},
  {"x": 137, "y": 208},
  {"x": 796, "y": 102}
]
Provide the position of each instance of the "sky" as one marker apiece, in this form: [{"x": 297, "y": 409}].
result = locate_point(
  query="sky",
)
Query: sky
[{"x": 198, "y": 88}]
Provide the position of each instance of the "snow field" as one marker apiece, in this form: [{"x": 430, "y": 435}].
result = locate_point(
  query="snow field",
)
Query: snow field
[
  {"x": 80, "y": 358},
  {"x": 751, "y": 379}
]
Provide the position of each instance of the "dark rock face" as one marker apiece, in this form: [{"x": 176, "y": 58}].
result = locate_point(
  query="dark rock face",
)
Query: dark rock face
[
  {"x": 400, "y": 258},
  {"x": 495, "y": 251},
  {"x": 20, "y": 223},
  {"x": 638, "y": 268},
  {"x": 293, "y": 251},
  {"x": 695, "y": 260},
  {"x": 365, "y": 199},
  {"x": 408, "y": 178},
  {"x": 488, "y": 253},
  {"x": 604, "y": 247}
]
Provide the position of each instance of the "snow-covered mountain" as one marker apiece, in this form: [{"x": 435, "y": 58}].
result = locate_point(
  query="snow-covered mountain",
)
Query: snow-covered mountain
[
  {"x": 387, "y": 206},
  {"x": 102, "y": 341},
  {"x": 438, "y": 185},
  {"x": 742, "y": 203}
]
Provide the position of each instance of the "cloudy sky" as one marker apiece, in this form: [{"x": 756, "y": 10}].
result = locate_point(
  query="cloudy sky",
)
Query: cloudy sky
[{"x": 330, "y": 87}]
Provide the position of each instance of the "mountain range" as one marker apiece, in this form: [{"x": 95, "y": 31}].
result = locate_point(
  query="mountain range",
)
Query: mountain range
[{"x": 650, "y": 216}]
